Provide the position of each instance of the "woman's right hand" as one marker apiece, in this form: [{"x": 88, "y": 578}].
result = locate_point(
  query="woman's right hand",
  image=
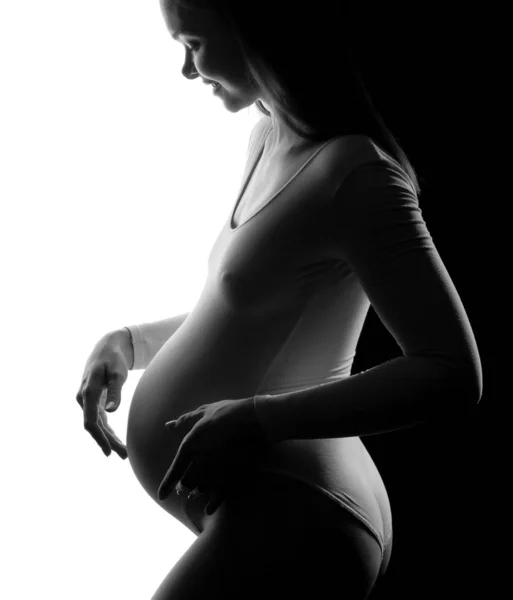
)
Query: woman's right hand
[{"x": 104, "y": 375}]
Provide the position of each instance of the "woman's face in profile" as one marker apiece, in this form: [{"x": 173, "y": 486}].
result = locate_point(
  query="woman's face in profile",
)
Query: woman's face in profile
[{"x": 212, "y": 53}]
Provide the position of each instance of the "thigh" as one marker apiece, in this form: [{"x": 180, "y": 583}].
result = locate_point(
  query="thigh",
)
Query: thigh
[{"x": 275, "y": 537}]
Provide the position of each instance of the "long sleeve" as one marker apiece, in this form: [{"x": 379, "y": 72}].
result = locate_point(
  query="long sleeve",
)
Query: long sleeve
[
  {"x": 377, "y": 227},
  {"x": 148, "y": 338}
]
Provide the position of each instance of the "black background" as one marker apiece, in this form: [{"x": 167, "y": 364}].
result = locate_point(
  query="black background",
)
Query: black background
[{"x": 434, "y": 76}]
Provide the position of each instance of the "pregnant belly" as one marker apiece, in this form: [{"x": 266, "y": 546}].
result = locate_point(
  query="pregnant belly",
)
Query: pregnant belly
[
  {"x": 151, "y": 446},
  {"x": 170, "y": 387},
  {"x": 188, "y": 373},
  {"x": 203, "y": 362}
]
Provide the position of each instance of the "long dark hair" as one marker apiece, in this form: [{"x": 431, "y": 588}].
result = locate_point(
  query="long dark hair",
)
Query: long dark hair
[{"x": 305, "y": 60}]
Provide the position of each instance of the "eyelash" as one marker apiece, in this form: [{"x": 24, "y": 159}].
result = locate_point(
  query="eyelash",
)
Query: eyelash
[{"x": 194, "y": 47}]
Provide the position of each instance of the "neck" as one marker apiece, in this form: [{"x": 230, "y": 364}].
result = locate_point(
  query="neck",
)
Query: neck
[{"x": 282, "y": 140}]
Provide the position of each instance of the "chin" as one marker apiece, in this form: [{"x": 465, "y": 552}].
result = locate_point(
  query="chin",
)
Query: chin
[{"x": 235, "y": 103}]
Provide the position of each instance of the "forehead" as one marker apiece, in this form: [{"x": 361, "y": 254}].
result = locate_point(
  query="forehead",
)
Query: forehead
[{"x": 181, "y": 20}]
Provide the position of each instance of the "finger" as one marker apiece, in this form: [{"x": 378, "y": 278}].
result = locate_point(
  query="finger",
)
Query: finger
[
  {"x": 115, "y": 443},
  {"x": 175, "y": 471},
  {"x": 190, "y": 418},
  {"x": 194, "y": 494},
  {"x": 170, "y": 479},
  {"x": 183, "y": 457},
  {"x": 115, "y": 382},
  {"x": 192, "y": 478},
  {"x": 200, "y": 476},
  {"x": 177, "y": 422},
  {"x": 78, "y": 397},
  {"x": 216, "y": 499},
  {"x": 91, "y": 398},
  {"x": 107, "y": 428}
]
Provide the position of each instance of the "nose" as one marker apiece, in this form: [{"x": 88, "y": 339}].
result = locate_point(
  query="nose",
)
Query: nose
[
  {"x": 189, "y": 70},
  {"x": 186, "y": 72}
]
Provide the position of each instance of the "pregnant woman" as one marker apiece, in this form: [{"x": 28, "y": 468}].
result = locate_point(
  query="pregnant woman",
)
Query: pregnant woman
[{"x": 246, "y": 423}]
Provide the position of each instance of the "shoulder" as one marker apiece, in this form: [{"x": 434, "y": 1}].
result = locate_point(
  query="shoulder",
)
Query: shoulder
[
  {"x": 358, "y": 163},
  {"x": 348, "y": 152},
  {"x": 371, "y": 197}
]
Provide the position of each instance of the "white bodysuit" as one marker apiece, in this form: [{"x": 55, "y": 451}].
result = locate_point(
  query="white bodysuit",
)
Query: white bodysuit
[{"x": 282, "y": 310}]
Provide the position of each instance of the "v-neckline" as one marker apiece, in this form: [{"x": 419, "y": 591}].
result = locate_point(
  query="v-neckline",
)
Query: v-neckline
[{"x": 257, "y": 160}]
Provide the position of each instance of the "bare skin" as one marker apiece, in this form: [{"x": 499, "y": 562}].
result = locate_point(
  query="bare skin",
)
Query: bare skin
[{"x": 213, "y": 53}]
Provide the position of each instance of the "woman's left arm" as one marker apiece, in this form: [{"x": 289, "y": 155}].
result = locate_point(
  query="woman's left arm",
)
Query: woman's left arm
[{"x": 379, "y": 230}]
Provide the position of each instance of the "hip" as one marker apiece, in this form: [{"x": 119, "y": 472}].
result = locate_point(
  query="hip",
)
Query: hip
[
  {"x": 337, "y": 472},
  {"x": 285, "y": 502}
]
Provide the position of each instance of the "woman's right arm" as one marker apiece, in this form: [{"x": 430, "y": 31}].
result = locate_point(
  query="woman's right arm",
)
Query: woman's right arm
[{"x": 140, "y": 343}]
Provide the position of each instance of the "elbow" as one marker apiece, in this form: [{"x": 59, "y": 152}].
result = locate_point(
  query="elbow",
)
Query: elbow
[
  {"x": 473, "y": 372},
  {"x": 470, "y": 383},
  {"x": 474, "y": 376},
  {"x": 463, "y": 379},
  {"x": 477, "y": 377}
]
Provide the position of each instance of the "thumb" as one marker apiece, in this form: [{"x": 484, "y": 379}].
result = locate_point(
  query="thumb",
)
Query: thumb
[{"x": 113, "y": 397}]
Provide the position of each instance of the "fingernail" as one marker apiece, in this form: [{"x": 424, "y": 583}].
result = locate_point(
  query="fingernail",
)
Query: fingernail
[
  {"x": 110, "y": 405},
  {"x": 193, "y": 494}
]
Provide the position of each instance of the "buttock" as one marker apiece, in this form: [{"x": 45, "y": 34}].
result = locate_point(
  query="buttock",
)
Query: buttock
[{"x": 289, "y": 501}]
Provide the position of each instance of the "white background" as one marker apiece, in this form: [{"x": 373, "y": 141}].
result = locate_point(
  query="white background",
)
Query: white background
[{"x": 116, "y": 174}]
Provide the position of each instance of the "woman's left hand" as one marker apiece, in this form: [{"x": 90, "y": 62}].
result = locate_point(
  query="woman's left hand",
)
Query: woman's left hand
[{"x": 223, "y": 439}]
